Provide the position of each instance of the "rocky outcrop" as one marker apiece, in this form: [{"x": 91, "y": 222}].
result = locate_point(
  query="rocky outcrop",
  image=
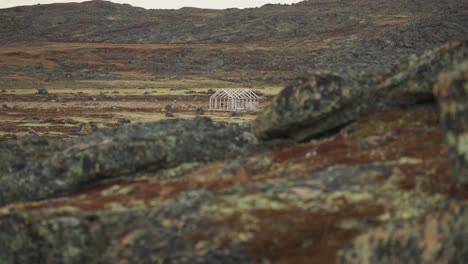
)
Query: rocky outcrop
[
  {"x": 114, "y": 153},
  {"x": 321, "y": 102},
  {"x": 298, "y": 204},
  {"x": 379, "y": 190},
  {"x": 315, "y": 104},
  {"x": 412, "y": 80}
]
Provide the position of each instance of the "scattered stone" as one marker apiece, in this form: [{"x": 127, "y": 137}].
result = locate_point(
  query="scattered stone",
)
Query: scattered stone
[
  {"x": 71, "y": 121},
  {"x": 42, "y": 91},
  {"x": 199, "y": 111},
  {"x": 123, "y": 121},
  {"x": 168, "y": 108},
  {"x": 88, "y": 128},
  {"x": 60, "y": 99}
]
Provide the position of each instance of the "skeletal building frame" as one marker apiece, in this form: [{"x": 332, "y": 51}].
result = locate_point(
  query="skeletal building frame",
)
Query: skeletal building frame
[{"x": 235, "y": 100}]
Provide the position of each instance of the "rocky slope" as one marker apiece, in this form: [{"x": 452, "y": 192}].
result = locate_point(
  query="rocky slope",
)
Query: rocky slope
[
  {"x": 272, "y": 44},
  {"x": 376, "y": 190},
  {"x": 101, "y": 21}
]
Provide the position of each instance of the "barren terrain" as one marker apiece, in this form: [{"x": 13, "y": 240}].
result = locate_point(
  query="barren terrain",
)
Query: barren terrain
[{"x": 359, "y": 155}]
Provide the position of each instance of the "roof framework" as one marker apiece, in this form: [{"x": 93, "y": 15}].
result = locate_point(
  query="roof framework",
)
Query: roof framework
[{"x": 235, "y": 100}]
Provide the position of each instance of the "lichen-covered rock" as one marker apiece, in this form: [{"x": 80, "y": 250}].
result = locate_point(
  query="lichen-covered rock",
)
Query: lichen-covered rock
[
  {"x": 412, "y": 80},
  {"x": 67, "y": 237},
  {"x": 452, "y": 95},
  {"x": 14, "y": 155},
  {"x": 298, "y": 204},
  {"x": 324, "y": 101},
  {"x": 378, "y": 192},
  {"x": 114, "y": 153},
  {"x": 441, "y": 238},
  {"x": 315, "y": 104}
]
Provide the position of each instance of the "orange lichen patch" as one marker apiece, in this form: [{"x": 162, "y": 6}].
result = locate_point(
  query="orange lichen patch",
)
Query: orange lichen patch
[{"x": 295, "y": 235}]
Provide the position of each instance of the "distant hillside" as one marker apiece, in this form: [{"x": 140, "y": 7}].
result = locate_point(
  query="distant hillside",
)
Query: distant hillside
[
  {"x": 272, "y": 43},
  {"x": 102, "y": 21}
]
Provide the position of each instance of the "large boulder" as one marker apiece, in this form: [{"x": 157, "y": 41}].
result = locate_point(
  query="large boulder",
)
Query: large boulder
[{"x": 315, "y": 104}]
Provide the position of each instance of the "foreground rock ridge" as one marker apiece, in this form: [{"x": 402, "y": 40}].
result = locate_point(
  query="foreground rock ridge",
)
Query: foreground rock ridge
[
  {"x": 110, "y": 154},
  {"x": 375, "y": 179}
]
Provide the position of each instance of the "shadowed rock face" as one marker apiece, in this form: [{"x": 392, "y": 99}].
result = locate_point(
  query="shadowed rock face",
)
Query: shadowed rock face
[
  {"x": 380, "y": 191},
  {"x": 114, "y": 153},
  {"x": 324, "y": 101}
]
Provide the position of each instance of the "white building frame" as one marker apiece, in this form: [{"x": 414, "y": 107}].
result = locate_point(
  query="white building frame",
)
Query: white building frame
[{"x": 235, "y": 100}]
